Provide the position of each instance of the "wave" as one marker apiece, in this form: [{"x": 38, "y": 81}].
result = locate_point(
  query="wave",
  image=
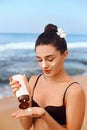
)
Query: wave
[
  {"x": 17, "y": 46},
  {"x": 30, "y": 45},
  {"x": 77, "y": 45}
]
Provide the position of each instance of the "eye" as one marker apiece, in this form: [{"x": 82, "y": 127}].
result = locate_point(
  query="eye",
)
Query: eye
[
  {"x": 39, "y": 59},
  {"x": 50, "y": 59}
]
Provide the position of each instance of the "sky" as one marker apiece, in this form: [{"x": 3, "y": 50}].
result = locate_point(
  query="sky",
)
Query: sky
[{"x": 31, "y": 16}]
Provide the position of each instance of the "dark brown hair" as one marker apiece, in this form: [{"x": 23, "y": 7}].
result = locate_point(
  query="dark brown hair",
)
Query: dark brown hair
[{"x": 50, "y": 37}]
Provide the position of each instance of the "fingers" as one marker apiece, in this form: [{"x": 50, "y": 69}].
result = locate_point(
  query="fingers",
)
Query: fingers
[
  {"x": 17, "y": 114},
  {"x": 10, "y": 79},
  {"x": 14, "y": 85},
  {"x": 21, "y": 113}
]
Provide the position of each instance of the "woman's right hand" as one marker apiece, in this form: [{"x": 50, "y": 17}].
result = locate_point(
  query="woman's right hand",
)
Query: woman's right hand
[{"x": 15, "y": 85}]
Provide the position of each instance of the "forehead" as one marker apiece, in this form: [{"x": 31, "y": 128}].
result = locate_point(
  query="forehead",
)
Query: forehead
[{"x": 44, "y": 50}]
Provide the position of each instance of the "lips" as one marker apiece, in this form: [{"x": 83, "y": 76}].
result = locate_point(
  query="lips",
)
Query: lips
[{"x": 47, "y": 71}]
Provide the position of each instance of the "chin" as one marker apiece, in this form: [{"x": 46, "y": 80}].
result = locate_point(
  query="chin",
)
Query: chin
[{"x": 49, "y": 75}]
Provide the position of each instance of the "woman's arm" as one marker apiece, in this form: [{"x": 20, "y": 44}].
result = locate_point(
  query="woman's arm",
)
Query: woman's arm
[
  {"x": 26, "y": 116},
  {"x": 26, "y": 122},
  {"x": 75, "y": 107}
]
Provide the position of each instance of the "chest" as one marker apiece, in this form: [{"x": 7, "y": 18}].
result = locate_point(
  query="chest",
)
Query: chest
[{"x": 49, "y": 94}]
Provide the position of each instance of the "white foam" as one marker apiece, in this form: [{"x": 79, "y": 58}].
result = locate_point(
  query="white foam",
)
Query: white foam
[
  {"x": 17, "y": 46},
  {"x": 77, "y": 45},
  {"x": 30, "y": 45}
]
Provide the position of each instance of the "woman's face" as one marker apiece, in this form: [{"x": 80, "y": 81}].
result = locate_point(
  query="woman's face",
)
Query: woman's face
[{"x": 50, "y": 60}]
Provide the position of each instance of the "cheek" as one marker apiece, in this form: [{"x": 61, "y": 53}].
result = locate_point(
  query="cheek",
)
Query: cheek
[
  {"x": 56, "y": 64},
  {"x": 53, "y": 64}
]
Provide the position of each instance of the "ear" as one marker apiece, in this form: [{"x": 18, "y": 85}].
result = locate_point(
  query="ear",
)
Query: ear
[{"x": 65, "y": 54}]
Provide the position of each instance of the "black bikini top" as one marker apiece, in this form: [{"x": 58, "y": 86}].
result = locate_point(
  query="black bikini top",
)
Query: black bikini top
[{"x": 57, "y": 112}]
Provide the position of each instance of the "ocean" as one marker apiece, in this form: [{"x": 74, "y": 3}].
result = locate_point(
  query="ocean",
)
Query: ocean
[{"x": 17, "y": 56}]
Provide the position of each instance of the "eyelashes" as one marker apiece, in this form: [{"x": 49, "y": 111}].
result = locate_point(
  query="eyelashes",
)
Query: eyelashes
[{"x": 49, "y": 60}]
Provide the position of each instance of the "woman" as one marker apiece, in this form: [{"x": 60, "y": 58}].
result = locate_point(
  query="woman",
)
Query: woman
[{"x": 58, "y": 101}]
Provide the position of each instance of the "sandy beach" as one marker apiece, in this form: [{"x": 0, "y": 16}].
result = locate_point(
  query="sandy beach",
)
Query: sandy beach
[{"x": 9, "y": 104}]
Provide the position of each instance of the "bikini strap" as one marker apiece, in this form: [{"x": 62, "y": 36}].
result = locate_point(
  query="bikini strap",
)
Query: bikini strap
[
  {"x": 36, "y": 81},
  {"x": 32, "y": 93},
  {"x": 67, "y": 89}
]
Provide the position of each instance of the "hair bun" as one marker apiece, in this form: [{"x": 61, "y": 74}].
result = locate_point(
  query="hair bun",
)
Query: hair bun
[{"x": 50, "y": 27}]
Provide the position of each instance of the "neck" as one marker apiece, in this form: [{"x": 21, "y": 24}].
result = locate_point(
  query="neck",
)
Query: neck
[{"x": 60, "y": 77}]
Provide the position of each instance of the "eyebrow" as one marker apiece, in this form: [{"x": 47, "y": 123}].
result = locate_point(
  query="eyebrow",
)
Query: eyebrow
[{"x": 45, "y": 56}]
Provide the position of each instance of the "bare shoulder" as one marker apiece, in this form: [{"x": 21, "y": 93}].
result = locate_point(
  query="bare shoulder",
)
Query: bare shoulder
[
  {"x": 32, "y": 80},
  {"x": 75, "y": 91}
]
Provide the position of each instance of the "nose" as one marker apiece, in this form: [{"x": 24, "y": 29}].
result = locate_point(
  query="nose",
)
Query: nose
[{"x": 44, "y": 64}]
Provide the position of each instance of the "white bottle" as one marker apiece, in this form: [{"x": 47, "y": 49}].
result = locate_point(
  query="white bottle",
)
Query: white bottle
[{"x": 22, "y": 94}]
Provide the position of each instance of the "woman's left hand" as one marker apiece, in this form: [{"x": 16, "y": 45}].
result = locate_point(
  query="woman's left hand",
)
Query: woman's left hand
[{"x": 31, "y": 112}]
